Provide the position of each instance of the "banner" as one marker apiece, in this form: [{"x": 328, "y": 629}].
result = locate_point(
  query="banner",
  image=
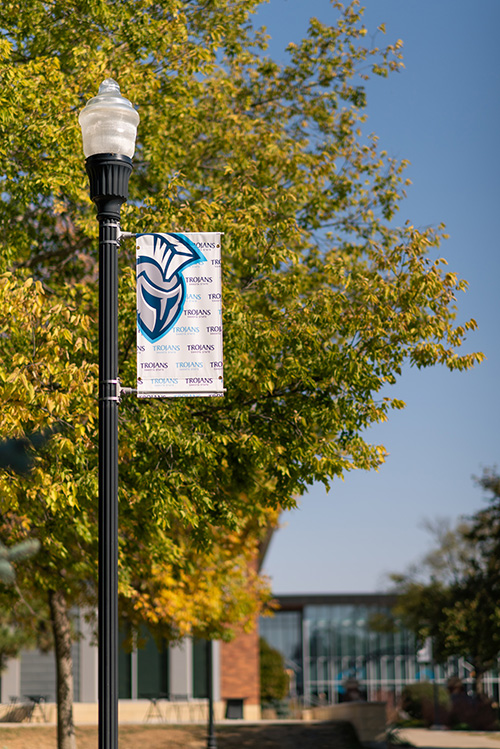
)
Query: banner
[{"x": 179, "y": 315}]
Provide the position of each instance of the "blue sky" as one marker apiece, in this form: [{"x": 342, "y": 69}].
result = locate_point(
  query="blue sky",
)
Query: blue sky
[{"x": 443, "y": 114}]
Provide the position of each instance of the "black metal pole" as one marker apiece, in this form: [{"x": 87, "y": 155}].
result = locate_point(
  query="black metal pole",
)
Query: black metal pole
[
  {"x": 108, "y": 174},
  {"x": 211, "y": 741},
  {"x": 108, "y": 484}
]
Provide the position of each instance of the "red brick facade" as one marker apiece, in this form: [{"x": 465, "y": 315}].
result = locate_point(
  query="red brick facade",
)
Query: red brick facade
[{"x": 240, "y": 672}]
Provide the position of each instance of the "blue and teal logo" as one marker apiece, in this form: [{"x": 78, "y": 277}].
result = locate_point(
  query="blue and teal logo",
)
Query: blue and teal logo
[{"x": 161, "y": 287}]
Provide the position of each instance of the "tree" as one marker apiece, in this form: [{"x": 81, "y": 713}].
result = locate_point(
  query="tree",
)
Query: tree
[
  {"x": 14, "y": 632},
  {"x": 452, "y": 596},
  {"x": 45, "y": 378},
  {"x": 178, "y": 587},
  {"x": 478, "y": 613},
  {"x": 484, "y": 530},
  {"x": 274, "y": 679},
  {"x": 325, "y": 298},
  {"x": 13, "y": 637},
  {"x": 462, "y": 619}
]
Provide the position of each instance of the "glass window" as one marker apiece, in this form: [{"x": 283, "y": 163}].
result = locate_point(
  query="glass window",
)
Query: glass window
[
  {"x": 200, "y": 669},
  {"x": 283, "y": 631},
  {"x": 124, "y": 671},
  {"x": 390, "y": 673},
  {"x": 152, "y": 667}
]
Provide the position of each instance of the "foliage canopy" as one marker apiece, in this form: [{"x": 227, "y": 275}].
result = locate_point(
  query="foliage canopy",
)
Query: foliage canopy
[
  {"x": 325, "y": 297},
  {"x": 453, "y": 596}
]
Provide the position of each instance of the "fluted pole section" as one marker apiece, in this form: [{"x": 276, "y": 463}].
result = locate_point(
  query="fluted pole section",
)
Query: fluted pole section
[
  {"x": 211, "y": 738},
  {"x": 108, "y": 484}
]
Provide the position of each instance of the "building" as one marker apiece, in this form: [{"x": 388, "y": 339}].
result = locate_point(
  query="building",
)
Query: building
[
  {"x": 175, "y": 674},
  {"x": 330, "y": 642},
  {"x": 336, "y": 647}
]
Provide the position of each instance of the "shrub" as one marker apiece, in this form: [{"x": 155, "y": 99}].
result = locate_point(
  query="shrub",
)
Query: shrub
[
  {"x": 418, "y": 701},
  {"x": 273, "y": 676}
]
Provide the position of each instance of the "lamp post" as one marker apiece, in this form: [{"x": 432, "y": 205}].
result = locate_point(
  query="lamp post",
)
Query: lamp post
[
  {"x": 109, "y": 126},
  {"x": 211, "y": 738}
]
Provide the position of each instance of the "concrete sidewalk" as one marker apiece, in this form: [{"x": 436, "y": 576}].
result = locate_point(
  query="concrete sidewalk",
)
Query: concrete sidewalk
[{"x": 438, "y": 739}]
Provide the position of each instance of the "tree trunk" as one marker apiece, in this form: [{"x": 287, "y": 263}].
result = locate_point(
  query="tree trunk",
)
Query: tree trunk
[{"x": 64, "y": 664}]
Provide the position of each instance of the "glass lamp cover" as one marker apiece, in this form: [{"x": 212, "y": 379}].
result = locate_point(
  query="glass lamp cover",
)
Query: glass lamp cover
[{"x": 109, "y": 122}]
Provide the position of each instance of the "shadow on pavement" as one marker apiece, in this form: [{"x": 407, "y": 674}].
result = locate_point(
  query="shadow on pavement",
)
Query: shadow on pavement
[{"x": 331, "y": 735}]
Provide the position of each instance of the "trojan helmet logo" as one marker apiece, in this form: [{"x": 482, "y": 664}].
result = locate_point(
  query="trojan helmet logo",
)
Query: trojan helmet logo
[{"x": 161, "y": 289}]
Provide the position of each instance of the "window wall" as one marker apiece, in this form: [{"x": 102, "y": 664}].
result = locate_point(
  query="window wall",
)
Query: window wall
[
  {"x": 335, "y": 648},
  {"x": 283, "y": 631},
  {"x": 200, "y": 669},
  {"x": 144, "y": 673},
  {"x": 344, "y": 650},
  {"x": 152, "y": 671},
  {"x": 340, "y": 650}
]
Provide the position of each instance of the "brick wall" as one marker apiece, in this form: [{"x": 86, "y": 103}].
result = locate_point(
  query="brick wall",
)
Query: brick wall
[{"x": 240, "y": 672}]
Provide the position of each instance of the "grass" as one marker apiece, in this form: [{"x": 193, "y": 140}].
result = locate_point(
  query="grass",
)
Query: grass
[{"x": 336, "y": 735}]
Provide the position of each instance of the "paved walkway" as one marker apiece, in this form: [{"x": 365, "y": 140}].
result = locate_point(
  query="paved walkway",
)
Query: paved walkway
[{"x": 421, "y": 737}]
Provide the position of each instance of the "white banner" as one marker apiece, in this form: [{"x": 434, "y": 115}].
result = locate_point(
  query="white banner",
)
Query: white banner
[{"x": 179, "y": 315}]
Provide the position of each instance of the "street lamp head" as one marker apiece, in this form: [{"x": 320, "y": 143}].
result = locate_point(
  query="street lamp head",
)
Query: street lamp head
[
  {"x": 109, "y": 127},
  {"x": 109, "y": 122}
]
